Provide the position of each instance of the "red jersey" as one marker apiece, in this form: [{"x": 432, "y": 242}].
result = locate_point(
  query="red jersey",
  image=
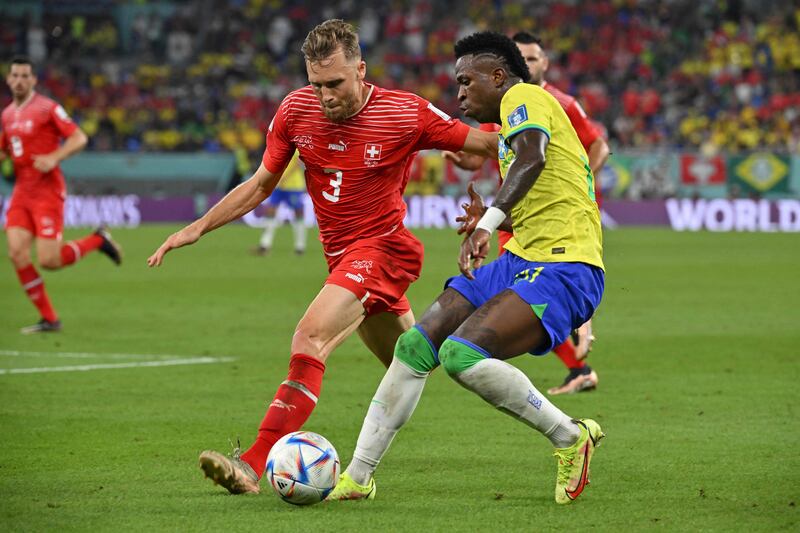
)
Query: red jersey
[
  {"x": 586, "y": 131},
  {"x": 35, "y": 128},
  {"x": 491, "y": 127},
  {"x": 356, "y": 170}
]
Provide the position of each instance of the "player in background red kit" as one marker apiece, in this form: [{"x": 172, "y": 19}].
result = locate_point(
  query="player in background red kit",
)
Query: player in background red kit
[
  {"x": 573, "y": 351},
  {"x": 356, "y": 141},
  {"x": 32, "y": 128}
]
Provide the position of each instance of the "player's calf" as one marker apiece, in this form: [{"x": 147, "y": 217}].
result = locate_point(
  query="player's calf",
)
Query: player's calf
[{"x": 583, "y": 337}]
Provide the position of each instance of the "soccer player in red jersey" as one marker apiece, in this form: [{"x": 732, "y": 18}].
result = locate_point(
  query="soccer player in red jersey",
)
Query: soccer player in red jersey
[
  {"x": 356, "y": 141},
  {"x": 572, "y": 352},
  {"x": 32, "y": 127}
]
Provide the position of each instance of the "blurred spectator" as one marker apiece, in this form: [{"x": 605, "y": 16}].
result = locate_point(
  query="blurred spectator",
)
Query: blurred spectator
[{"x": 140, "y": 75}]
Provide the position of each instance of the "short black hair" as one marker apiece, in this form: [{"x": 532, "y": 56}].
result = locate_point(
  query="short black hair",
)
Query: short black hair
[
  {"x": 498, "y": 45},
  {"x": 524, "y": 37},
  {"x": 22, "y": 60}
]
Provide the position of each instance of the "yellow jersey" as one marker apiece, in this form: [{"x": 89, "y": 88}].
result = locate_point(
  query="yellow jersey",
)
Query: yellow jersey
[
  {"x": 294, "y": 176},
  {"x": 558, "y": 219}
]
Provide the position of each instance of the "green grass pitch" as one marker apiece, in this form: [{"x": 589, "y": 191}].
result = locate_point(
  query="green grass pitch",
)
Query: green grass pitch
[{"x": 697, "y": 354}]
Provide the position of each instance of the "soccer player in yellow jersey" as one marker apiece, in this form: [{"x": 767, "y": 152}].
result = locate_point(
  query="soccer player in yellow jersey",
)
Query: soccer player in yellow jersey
[
  {"x": 289, "y": 191},
  {"x": 528, "y": 300}
]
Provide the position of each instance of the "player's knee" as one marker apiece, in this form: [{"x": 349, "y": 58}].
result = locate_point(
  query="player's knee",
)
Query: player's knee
[
  {"x": 304, "y": 341},
  {"x": 19, "y": 257},
  {"x": 307, "y": 340},
  {"x": 50, "y": 262},
  {"x": 415, "y": 351},
  {"x": 456, "y": 356}
]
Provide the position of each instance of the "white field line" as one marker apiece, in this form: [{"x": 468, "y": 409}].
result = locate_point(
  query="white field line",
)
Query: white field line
[
  {"x": 87, "y": 355},
  {"x": 114, "y": 366}
]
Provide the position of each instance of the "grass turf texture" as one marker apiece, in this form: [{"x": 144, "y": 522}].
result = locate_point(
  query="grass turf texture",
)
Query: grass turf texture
[{"x": 697, "y": 357}]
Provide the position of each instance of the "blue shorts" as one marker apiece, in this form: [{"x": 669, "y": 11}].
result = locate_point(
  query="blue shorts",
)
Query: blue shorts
[
  {"x": 293, "y": 199},
  {"x": 563, "y": 295}
]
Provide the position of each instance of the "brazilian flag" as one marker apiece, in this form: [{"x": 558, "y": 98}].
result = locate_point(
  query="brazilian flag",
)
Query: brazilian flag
[{"x": 759, "y": 173}]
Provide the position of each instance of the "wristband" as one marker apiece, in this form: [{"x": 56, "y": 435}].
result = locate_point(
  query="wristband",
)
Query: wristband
[{"x": 491, "y": 220}]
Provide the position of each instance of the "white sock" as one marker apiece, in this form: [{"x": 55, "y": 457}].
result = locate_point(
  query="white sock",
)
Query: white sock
[
  {"x": 391, "y": 407},
  {"x": 270, "y": 225},
  {"x": 299, "y": 228},
  {"x": 508, "y": 389}
]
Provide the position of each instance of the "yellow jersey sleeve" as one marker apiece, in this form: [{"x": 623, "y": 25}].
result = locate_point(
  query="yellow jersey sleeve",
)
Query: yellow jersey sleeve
[
  {"x": 558, "y": 219},
  {"x": 524, "y": 108}
]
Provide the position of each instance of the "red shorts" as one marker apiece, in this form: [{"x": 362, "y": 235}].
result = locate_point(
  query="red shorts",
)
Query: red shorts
[
  {"x": 379, "y": 270},
  {"x": 42, "y": 217},
  {"x": 502, "y": 238}
]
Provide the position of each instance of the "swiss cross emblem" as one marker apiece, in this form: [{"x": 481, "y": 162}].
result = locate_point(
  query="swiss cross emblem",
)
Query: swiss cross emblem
[{"x": 372, "y": 152}]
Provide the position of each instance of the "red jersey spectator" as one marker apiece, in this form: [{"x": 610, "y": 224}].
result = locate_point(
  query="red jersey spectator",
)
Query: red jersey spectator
[{"x": 32, "y": 128}]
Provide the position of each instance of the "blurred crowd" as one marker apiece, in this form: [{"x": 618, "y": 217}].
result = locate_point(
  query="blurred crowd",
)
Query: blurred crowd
[{"x": 208, "y": 74}]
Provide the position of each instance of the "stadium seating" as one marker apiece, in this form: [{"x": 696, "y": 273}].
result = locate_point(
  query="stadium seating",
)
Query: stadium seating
[{"x": 143, "y": 76}]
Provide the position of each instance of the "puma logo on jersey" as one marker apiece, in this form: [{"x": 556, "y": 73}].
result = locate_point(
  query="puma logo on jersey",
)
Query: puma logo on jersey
[
  {"x": 358, "y": 278},
  {"x": 341, "y": 146}
]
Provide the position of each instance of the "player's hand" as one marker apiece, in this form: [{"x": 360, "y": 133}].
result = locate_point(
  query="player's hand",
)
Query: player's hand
[
  {"x": 474, "y": 250},
  {"x": 187, "y": 235},
  {"x": 464, "y": 160},
  {"x": 44, "y": 162},
  {"x": 455, "y": 157},
  {"x": 473, "y": 212}
]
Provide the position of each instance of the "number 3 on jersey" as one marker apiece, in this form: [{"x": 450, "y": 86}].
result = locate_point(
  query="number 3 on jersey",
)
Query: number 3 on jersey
[{"x": 336, "y": 183}]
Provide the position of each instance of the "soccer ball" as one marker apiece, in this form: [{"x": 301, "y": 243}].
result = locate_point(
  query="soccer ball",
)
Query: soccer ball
[{"x": 303, "y": 468}]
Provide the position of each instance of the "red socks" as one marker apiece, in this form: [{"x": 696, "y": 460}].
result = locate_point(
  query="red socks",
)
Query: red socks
[
  {"x": 73, "y": 251},
  {"x": 289, "y": 410},
  {"x": 566, "y": 352},
  {"x": 33, "y": 285}
]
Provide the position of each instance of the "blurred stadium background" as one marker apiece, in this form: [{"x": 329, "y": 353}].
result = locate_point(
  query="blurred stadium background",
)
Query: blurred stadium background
[{"x": 698, "y": 100}]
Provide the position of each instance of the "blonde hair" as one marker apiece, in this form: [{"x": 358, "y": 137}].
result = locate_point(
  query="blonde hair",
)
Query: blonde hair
[{"x": 324, "y": 40}]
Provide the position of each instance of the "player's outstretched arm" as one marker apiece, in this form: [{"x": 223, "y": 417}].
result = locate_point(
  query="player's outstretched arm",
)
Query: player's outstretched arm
[
  {"x": 482, "y": 143},
  {"x": 72, "y": 145},
  {"x": 240, "y": 201},
  {"x": 598, "y": 155},
  {"x": 464, "y": 160},
  {"x": 529, "y": 147}
]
